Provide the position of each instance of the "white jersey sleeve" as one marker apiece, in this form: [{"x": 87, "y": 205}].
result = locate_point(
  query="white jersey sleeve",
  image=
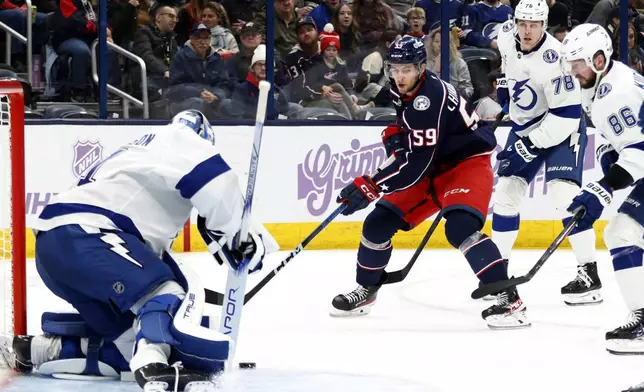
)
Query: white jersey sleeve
[
  {"x": 615, "y": 112},
  {"x": 200, "y": 174},
  {"x": 563, "y": 95}
]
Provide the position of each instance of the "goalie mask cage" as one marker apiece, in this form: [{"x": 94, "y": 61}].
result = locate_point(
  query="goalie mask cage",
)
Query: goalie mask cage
[{"x": 13, "y": 293}]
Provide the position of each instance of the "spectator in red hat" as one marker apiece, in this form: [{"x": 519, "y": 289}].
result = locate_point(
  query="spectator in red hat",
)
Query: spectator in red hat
[{"x": 332, "y": 78}]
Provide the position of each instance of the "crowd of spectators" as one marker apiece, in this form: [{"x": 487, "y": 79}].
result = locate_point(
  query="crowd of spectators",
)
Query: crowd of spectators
[{"x": 329, "y": 54}]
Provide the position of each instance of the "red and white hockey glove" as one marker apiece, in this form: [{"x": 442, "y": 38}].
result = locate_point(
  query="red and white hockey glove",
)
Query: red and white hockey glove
[
  {"x": 359, "y": 194},
  {"x": 393, "y": 137}
]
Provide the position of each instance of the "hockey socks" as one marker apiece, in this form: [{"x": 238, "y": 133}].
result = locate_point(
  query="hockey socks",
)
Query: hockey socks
[
  {"x": 629, "y": 271},
  {"x": 372, "y": 260},
  {"x": 583, "y": 243},
  {"x": 484, "y": 258},
  {"x": 504, "y": 231}
]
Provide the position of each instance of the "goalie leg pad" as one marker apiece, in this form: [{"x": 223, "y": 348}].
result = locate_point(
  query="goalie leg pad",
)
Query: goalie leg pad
[
  {"x": 168, "y": 319},
  {"x": 83, "y": 353}
]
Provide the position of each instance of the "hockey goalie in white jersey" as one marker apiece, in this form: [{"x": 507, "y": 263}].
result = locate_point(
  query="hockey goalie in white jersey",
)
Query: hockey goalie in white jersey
[
  {"x": 547, "y": 130},
  {"x": 613, "y": 98},
  {"x": 103, "y": 247}
]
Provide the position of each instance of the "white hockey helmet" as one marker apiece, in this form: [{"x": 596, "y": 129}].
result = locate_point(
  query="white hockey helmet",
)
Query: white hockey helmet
[
  {"x": 196, "y": 121},
  {"x": 583, "y": 43},
  {"x": 534, "y": 10}
]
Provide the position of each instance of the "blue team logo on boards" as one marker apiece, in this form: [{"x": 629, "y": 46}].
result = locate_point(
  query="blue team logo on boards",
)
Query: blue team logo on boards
[
  {"x": 523, "y": 95},
  {"x": 604, "y": 89},
  {"x": 550, "y": 56},
  {"x": 86, "y": 154}
]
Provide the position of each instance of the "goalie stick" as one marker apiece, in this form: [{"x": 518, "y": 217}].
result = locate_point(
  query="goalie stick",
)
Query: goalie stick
[
  {"x": 401, "y": 274},
  {"x": 495, "y": 287},
  {"x": 232, "y": 302}
]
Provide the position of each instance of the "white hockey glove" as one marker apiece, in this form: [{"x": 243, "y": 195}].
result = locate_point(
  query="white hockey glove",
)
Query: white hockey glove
[{"x": 249, "y": 253}]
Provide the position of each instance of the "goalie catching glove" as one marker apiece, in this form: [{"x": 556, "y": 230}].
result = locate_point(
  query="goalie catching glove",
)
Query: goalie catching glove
[{"x": 252, "y": 251}]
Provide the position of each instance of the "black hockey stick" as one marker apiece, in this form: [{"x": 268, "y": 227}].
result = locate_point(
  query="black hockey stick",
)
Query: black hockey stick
[
  {"x": 215, "y": 298},
  {"x": 496, "y": 287},
  {"x": 401, "y": 274}
]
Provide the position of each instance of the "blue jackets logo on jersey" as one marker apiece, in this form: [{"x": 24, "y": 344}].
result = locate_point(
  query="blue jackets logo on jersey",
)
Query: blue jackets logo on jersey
[
  {"x": 86, "y": 154},
  {"x": 524, "y": 96},
  {"x": 421, "y": 103}
]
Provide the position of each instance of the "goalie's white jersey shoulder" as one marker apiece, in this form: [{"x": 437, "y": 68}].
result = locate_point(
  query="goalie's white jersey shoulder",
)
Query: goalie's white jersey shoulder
[{"x": 150, "y": 186}]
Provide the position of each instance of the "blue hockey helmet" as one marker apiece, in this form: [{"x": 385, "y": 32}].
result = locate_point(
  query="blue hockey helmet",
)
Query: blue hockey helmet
[
  {"x": 407, "y": 50},
  {"x": 196, "y": 121}
]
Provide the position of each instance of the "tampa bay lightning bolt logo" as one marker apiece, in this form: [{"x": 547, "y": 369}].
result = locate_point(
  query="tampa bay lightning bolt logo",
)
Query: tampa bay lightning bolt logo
[
  {"x": 491, "y": 30},
  {"x": 604, "y": 89},
  {"x": 507, "y": 26},
  {"x": 523, "y": 95},
  {"x": 550, "y": 56}
]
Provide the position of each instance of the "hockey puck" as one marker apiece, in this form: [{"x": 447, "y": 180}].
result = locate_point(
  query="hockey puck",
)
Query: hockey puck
[{"x": 247, "y": 365}]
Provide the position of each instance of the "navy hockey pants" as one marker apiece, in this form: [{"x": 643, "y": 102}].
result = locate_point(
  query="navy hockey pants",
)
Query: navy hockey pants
[{"x": 102, "y": 274}]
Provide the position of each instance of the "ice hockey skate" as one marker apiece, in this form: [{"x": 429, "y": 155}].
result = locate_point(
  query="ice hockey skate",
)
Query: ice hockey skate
[
  {"x": 584, "y": 289},
  {"x": 15, "y": 353},
  {"x": 356, "y": 303},
  {"x": 628, "y": 339},
  {"x": 159, "y": 377},
  {"x": 635, "y": 388},
  {"x": 509, "y": 312}
]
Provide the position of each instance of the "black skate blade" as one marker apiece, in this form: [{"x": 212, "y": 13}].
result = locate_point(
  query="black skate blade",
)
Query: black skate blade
[
  {"x": 624, "y": 354},
  {"x": 493, "y": 288}
]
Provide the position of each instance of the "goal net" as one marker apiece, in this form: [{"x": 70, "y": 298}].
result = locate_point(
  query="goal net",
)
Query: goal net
[{"x": 13, "y": 317}]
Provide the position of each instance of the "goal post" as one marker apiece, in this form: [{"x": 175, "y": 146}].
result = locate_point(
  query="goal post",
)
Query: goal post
[{"x": 13, "y": 296}]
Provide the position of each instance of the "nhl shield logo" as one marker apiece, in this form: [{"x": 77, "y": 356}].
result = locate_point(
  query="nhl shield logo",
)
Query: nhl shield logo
[{"x": 86, "y": 154}]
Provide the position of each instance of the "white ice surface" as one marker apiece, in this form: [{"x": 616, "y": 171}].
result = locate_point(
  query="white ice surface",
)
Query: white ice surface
[{"x": 424, "y": 334}]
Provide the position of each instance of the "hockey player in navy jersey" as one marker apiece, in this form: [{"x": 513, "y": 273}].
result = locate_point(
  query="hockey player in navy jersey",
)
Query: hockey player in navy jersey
[
  {"x": 547, "y": 130},
  {"x": 442, "y": 161},
  {"x": 103, "y": 246},
  {"x": 483, "y": 22}
]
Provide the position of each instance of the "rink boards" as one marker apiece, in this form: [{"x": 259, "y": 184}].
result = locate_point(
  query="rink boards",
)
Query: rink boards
[{"x": 301, "y": 171}]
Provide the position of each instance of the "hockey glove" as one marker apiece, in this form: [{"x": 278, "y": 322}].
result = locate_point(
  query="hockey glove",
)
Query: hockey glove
[
  {"x": 502, "y": 92},
  {"x": 223, "y": 251},
  {"x": 393, "y": 137},
  {"x": 516, "y": 157},
  {"x": 249, "y": 253},
  {"x": 593, "y": 198},
  {"x": 606, "y": 156},
  {"x": 359, "y": 194}
]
